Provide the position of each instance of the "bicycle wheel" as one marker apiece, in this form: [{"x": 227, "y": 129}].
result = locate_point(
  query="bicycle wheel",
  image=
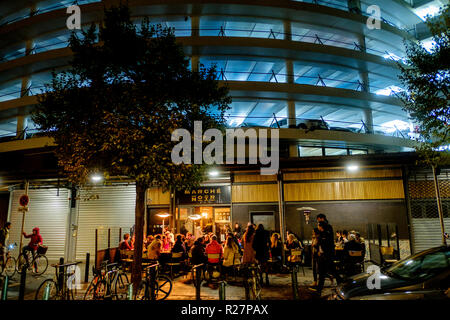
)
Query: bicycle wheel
[
  {"x": 255, "y": 286},
  {"x": 89, "y": 293},
  {"x": 53, "y": 293},
  {"x": 21, "y": 261},
  {"x": 10, "y": 267},
  {"x": 40, "y": 264},
  {"x": 164, "y": 287},
  {"x": 121, "y": 286},
  {"x": 142, "y": 291}
]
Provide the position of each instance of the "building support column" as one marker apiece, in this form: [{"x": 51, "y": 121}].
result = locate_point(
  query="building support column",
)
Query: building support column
[
  {"x": 281, "y": 211},
  {"x": 194, "y": 63},
  {"x": 287, "y": 29},
  {"x": 368, "y": 120},
  {"x": 195, "y": 26}
]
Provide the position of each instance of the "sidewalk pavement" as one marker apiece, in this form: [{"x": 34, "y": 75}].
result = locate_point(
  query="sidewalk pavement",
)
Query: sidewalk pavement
[{"x": 183, "y": 289}]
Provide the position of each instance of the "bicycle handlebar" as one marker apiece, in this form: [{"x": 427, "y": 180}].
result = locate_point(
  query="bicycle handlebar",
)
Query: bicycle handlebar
[{"x": 65, "y": 264}]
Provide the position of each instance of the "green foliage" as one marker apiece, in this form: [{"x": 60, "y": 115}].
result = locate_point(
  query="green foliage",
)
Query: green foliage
[
  {"x": 427, "y": 77},
  {"x": 114, "y": 110}
]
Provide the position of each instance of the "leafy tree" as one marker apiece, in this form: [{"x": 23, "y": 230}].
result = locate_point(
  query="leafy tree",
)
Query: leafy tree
[
  {"x": 426, "y": 77},
  {"x": 114, "y": 109}
]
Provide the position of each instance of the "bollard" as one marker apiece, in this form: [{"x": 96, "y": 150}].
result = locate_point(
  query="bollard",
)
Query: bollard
[
  {"x": 47, "y": 291},
  {"x": 198, "y": 282},
  {"x": 222, "y": 295},
  {"x": 294, "y": 282},
  {"x": 23, "y": 279},
  {"x": 61, "y": 273},
  {"x": 5, "y": 288},
  {"x": 130, "y": 291},
  {"x": 86, "y": 269}
]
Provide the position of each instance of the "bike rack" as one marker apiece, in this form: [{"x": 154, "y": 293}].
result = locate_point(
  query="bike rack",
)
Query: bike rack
[
  {"x": 222, "y": 293},
  {"x": 5, "y": 288},
  {"x": 198, "y": 279}
]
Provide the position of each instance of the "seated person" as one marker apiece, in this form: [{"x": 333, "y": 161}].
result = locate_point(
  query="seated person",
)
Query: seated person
[
  {"x": 198, "y": 252},
  {"x": 231, "y": 255},
  {"x": 351, "y": 261},
  {"x": 275, "y": 247},
  {"x": 179, "y": 247},
  {"x": 291, "y": 244},
  {"x": 154, "y": 249},
  {"x": 214, "y": 248},
  {"x": 124, "y": 244}
]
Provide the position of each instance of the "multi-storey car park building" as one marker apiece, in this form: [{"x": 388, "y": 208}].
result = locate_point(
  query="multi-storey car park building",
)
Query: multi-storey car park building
[{"x": 292, "y": 64}]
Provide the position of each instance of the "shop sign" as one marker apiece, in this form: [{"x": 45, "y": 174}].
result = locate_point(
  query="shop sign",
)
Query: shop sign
[{"x": 205, "y": 195}]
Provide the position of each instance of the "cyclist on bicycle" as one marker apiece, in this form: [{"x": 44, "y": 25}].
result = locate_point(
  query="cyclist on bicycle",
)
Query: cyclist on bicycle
[
  {"x": 4, "y": 235},
  {"x": 36, "y": 240}
]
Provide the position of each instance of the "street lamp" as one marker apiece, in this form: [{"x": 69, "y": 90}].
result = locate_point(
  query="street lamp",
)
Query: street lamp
[
  {"x": 163, "y": 216},
  {"x": 96, "y": 177}
]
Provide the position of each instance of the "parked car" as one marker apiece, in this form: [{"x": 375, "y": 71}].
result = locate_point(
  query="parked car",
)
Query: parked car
[
  {"x": 425, "y": 275},
  {"x": 313, "y": 124}
]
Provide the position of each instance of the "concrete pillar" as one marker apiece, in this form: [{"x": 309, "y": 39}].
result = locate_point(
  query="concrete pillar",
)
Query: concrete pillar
[
  {"x": 289, "y": 71},
  {"x": 293, "y": 150},
  {"x": 292, "y": 122},
  {"x": 195, "y": 26},
  {"x": 287, "y": 30},
  {"x": 20, "y": 127},
  {"x": 368, "y": 119},
  {"x": 194, "y": 62}
]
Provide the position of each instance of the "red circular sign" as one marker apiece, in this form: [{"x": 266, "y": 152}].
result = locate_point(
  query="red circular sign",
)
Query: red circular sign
[{"x": 24, "y": 200}]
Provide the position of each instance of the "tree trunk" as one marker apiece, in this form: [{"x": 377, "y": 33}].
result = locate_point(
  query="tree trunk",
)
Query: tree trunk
[{"x": 139, "y": 235}]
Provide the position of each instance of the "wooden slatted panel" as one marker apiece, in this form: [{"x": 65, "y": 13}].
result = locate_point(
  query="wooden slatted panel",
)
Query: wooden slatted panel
[
  {"x": 156, "y": 196},
  {"x": 255, "y": 193},
  {"x": 254, "y": 178},
  {"x": 49, "y": 212},
  {"x": 426, "y": 233},
  {"x": 345, "y": 190},
  {"x": 344, "y": 174}
]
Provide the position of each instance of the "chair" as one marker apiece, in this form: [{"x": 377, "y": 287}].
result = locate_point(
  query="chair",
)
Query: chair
[
  {"x": 213, "y": 256},
  {"x": 126, "y": 257},
  {"x": 175, "y": 261},
  {"x": 354, "y": 263},
  {"x": 296, "y": 258}
]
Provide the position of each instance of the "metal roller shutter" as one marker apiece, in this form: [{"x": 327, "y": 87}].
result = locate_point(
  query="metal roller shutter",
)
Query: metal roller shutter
[
  {"x": 49, "y": 212},
  {"x": 102, "y": 208},
  {"x": 426, "y": 233}
]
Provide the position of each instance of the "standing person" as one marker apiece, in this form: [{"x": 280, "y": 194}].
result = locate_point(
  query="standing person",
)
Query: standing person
[
  {"x": 326, "y": 255},
  {"x": 261, "y": 244},
  {"x": 237, "y": 229},
  {"x": 249, "y": 252},
  {"x": 4, "y": 236},
  {"x": 315, "y": 254},
  {"x": 35, "y": 241}
]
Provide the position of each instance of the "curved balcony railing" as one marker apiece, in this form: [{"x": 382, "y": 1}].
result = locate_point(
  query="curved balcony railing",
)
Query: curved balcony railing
[
  {"x": 225, "y": 75},
  {"x": 326, "y": 3},
  {"x": 277, "y": 122},
  {"x": 224, "y": 32}
]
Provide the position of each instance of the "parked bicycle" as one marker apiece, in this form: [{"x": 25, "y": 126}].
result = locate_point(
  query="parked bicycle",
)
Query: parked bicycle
[
  {"x": 110, "y": 282},
  {"x": 155, "y": 286},
  {"x": 59, "y": 287},
  {"x": 8, "y": 266},
  {"x": 252, "y": 283},
  {"x": 37, "y": 263}
]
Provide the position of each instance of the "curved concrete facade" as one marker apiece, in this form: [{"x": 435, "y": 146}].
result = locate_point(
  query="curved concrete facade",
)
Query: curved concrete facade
[{"x": 283, "y": 60}]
